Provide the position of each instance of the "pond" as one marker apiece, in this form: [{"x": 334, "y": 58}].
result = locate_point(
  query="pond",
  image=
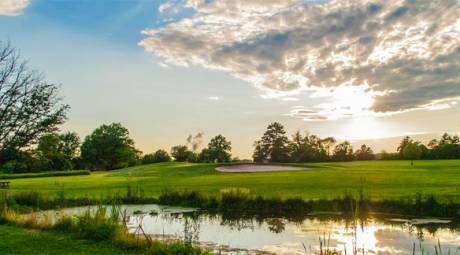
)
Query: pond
[{"x": 235, "y": 234}]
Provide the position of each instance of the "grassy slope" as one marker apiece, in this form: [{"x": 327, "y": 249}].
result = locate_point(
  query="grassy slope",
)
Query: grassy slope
[
  {"x": 23, "y": 241},
  {"x": 380, "y": 179}
]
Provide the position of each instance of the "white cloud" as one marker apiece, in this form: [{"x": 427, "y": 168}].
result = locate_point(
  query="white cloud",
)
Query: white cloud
[
  {"x": 364, "y": 57},
  {"x": 214, "y": 98},
  {"x": 163, "y": 7},
  {"x": 12, "y": 7}
]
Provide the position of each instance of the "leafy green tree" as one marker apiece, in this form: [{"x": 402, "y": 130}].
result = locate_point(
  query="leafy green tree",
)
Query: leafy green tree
[
  {"x": 260, "y": 154},
  {"x": 307, "y": 148},
  {"x": 389, "y": 156},
  {"x": 448, "y": 139},
  {"x": 218, "y": 150},
  {"x": 19, "y": 161},
  {"x": 50, "y": 153},
  {"x": 157, "y": 157},
  {"x": 109, "y": 147},
  {"x": 58, "y": 151},
  {"x": 343, "y": 152},
  {"x": 181, "y": 153},
  {"x": 448, "y": 147},
  {"x": 364, "y": 153},
  {"x": 328, "y": 143},
  {"x": 69, "y": 145},
  {"x": 29, "y": 106},
  {"x": 273, "y": 146},
  {"x": 412, "y": 151},
  {"x": 404, "y": 142}
]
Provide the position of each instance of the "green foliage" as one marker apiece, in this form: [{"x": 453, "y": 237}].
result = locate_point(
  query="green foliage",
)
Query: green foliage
[
  {"x": 19, "y": 161},
  {"x": 181, "y": 153},
  {"x": 273, "y": 146},
  {"x": 157, "y": 157},
  {"x": 51, "y": 155},
  {"x": 308, "y": 149},
  {"x": 343, "y": 152},
  {"x": 218, "y": 150},
  {"x": 364, "y": 153},
  {"x": 97, "y": 226},
  {"x": 109, "y": 147},
  {"x": 412, "y": 151},
  {"x": 389, "y": 156}
]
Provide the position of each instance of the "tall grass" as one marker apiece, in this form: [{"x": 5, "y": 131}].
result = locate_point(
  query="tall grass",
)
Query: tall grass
[
  {"x": 241, "y": 203},
  {"x": 98, "y": 225}
]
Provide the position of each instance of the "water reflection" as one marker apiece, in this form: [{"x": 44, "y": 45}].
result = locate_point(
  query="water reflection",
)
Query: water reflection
[{"x": 244, "y": 234}]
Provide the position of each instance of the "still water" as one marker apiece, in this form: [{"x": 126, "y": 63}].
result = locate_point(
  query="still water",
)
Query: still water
[{"x": 247, "y": 235}]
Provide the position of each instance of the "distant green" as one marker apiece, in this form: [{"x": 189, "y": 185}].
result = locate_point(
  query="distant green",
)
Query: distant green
[
  {"x": 25, "y": 241},
  {"x": 378, "y": 179}
]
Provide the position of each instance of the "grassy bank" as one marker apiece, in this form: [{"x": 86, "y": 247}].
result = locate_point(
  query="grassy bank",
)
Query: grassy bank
[
  {"x": 380, "y": 180},
  {"x": 109, "y": 231},
  {"x": 26, "y": 241}
]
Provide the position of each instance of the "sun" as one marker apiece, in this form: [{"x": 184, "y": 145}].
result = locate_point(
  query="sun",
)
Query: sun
[{"x": 365, "y": 128}]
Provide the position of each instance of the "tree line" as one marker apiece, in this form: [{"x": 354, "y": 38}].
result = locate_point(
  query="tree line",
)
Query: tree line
[
  {"x": 275, "y": 146},
  {"x": 108, "y": 147},
  {"x": 31, "y": 112}
]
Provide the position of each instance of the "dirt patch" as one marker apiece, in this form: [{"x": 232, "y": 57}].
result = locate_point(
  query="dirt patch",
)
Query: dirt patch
[{"x": 257, "y": 168}]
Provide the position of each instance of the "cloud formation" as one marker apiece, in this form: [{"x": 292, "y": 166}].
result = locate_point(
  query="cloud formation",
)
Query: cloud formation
[
  {"x": 404, "y": 53},
  {"x": 12, "y": 7}
]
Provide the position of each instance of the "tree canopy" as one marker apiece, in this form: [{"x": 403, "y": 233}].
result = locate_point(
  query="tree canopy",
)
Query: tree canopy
[
  {"x": 218, "y": 150},
  {"x": 157, "y": 157},
  {"x": 29, "y": 105},
  {"x": 109, "y": 147},
  {"x": 181, "y": 153},
  {"x": 273, "y": 146}
]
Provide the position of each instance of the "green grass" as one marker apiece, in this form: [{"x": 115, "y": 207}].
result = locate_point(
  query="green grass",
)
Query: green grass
[
  {"x": 25, "y": 241},
  {"x": 379, "y": 179}
]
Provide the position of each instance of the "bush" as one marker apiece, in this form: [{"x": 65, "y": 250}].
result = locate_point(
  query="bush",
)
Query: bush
[{"x": 98, "y": 226}]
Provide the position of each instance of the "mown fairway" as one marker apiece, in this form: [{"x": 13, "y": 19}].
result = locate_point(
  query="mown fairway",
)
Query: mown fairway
[{"x": 379, "y": 179}]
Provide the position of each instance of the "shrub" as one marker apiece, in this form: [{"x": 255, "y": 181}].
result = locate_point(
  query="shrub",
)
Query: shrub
[{"x": 98, "y": 226}]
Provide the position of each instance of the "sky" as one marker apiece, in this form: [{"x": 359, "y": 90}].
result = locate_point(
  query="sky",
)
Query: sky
[{"x": 369, "y": 71}]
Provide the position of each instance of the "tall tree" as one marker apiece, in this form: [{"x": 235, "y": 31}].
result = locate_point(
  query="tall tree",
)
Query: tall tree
[
  {"x": 273, "y": 146},
  {"x": 29, "y": 105},
  {"x": 218, "y": 150},
  {"x": 404, "y": 142},
  {"x": 364, "y": 153},
  {"x": 307, "y": 148},
  {"x": 181, "y": 153},
  {"x": 157, "y": 157},
  {"x": 69, "y": 144},
  {"x": 343, "y": 152},
  {"x": 412, "y": 151},
  {"x": 109, "y": 147},
  {"x": 51, "y": 155},
  {"x": 328, "y": 143}
]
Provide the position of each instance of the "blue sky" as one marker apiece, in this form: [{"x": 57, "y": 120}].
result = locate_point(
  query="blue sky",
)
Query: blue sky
[{"x": 232, "y": 67}]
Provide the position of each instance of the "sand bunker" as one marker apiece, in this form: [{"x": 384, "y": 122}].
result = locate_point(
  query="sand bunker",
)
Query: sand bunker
[{"x": 256, "y": 168}]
